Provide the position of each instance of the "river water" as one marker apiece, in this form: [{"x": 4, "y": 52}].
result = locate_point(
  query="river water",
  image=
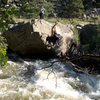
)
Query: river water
[{"x": 22, "y": 79}]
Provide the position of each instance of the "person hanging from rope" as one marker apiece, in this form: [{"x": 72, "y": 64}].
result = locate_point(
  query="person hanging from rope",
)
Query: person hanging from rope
[{"x": 42, "y": 13}]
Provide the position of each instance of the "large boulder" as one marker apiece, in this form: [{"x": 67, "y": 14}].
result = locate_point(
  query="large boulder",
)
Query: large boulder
[
  {"x": 90, "y": 39},
  {"x": 87, "y": 33},
  {"x": 29, "y": 38}
]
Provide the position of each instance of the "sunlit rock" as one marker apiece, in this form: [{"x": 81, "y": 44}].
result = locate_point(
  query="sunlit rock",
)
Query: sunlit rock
[{"x": 30, "y": 38}]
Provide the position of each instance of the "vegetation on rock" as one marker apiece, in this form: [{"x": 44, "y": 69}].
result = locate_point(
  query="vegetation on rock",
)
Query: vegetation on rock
[
  {"x": 3, "y": 47},
  {"x": 6, "y": 13}
]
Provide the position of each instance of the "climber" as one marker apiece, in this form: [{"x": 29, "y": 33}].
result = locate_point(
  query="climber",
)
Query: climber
[
  {"x": 53, "y": 31},
  {"x": 54, "y": 36}
]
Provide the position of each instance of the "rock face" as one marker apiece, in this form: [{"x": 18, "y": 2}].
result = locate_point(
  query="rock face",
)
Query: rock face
[
  {"x": 87, "y": 33},
  {"x": 29, "y": 38},
  {"x": 90, "y": 39}
]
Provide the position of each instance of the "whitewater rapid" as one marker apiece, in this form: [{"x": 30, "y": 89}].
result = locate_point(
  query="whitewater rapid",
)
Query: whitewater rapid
[{"x": 20, "y": 80}]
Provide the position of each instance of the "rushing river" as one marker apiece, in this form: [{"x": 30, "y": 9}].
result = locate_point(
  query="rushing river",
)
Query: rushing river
[{"x": 20, "y": 80}]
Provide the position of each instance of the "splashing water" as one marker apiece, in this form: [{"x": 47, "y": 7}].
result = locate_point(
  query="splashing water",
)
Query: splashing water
[{"x": 21, "y": 81}]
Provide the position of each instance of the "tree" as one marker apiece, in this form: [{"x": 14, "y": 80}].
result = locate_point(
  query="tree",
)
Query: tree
[
  {"x": 97, "y": 3},
  {"x": 6, "y": 13},
  {"x": 32, "y": 9},
  {"x": 29, "y": 9},
  {"x": 74, "y": 8}
]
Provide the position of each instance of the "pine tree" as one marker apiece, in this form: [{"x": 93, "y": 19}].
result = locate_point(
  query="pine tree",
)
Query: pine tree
[
  {"x": 32, "y": 9},
  {"x": 6, "y": 13},
  {"x": 75, "y": 8}
]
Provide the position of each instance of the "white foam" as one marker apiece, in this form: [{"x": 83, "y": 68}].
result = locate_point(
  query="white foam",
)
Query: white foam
[
  {"x": 61, "y": 87},
  {"x": 1, "y": 92},
  {"x": 62, "y": 82},
  {"x": 1, "y": 72},
  {"x": 36, "y": 93},
  {"x": 97, "y": 93}
]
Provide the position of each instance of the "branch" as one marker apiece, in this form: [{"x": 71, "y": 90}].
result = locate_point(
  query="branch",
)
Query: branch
[
  {"x": 70, "y": 60},
  {"x": 83, "y": 56},
  {"x": 52, "y": 63},
  {"x": 52, "y": 71},
  {"x": 76, "y": 67}
]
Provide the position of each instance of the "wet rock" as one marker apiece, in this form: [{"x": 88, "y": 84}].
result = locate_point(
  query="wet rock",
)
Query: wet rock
[{"x": 79, "y": 26}]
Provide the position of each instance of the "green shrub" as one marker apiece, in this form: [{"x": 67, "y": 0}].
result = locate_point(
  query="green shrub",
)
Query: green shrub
[
  {"x": 3, "y": 47},
  {"x": 6, "y": 15},
  {"x": 76, "y": 35}
]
